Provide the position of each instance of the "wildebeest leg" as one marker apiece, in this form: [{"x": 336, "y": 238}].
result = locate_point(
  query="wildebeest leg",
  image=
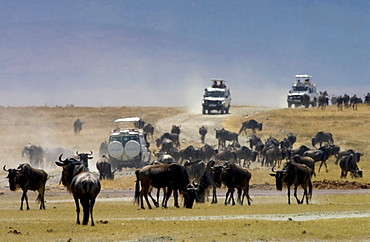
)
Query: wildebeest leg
[
  {"x": 156, "y": 203},
  {"x": 176, "y": 198},
  {"x": 214, "y": 196},
  {"x": 295, "y": 194},
  {"x": 77, "y": 209},
  {"x": 167, "y": 196},
  {"x": 92, "y": 203},
  {"x": 24, "y": 196},
  {"x": 144, "y": 193},
  {"x": 288, "y": 194},
  {"x": 86, "y": 210},
  {"x": 326, "y": 167}
]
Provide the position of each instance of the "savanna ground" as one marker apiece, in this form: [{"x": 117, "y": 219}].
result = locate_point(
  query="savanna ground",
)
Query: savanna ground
[{"x": 339, "y": 215}]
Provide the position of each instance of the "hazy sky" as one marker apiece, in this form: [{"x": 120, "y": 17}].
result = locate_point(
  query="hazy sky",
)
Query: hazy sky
[{"x": 257, "y": 46}]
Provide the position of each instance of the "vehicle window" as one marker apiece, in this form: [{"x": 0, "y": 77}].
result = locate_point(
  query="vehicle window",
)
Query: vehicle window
[
  {"x": 300, "y": 88},
  {"x": 215, "y": 94}
]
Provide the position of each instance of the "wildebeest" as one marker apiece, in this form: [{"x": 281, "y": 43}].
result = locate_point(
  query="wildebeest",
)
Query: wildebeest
[
  {"x": 354, "y": 101},
  {"x": 323, "y": 100},
  {"x": 340, "y": 102},
  {"x": 349, "y": 164},
  {"x": 202, "y": 131},
  {"x": 322, "y": 154},
  {"x": 27, "y": 178},
  {"x": 149, "y": 130},
  {"x": 233, "y": 176},
  {"x": 333, "y": 100},
  {"x": 206, "y": 152},
  {"x": 346, "y": 99},
  {"x": 170, "y": 176},
  {"x": 245, "y": 154},
  {"x": 305, "y": 100},
  {"x": 322, "y": 137},
  {"x": 224, "y": 135},
  {"x": 83, "y": 185},
  {"x": 175, "y": 129},
  {"x": 299, "y": 151},
  {"x": 165, "y": 144},
  {"x": 172, "y": 136},
  {"x": 195, "y": 169},
  {"x": 207, "y": 180},
  {"x": 250, "y": 124},
  {"x": 292, "y": 138},
  {"x": 343, "y": 153},
  {"x": 35, "y": 154},
  {"x": 77, "y": 126},
  {"x": 105, "y": 168},
  {"x": 308, "y": 161},
  {"x": 139, "y": 124},
  {"x": 297, "y": 175},
  {"x": 367, "y": 99}
]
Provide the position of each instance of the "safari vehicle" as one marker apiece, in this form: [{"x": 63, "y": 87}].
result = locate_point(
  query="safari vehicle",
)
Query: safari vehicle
[
  {"x": 127, "y": 146},
  {"x": 216, "y": 98},
  {"x": 303, "y": 92}
]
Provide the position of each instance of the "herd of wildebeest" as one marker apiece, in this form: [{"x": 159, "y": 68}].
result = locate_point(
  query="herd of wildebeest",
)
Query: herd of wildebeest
[
  {"x": 194, "y": 173},
  {"x": 340, "y": 101}
]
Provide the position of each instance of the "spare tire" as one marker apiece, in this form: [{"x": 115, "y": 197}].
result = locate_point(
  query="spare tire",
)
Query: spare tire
[
  {"x": 115, "y": 149},
  {"x": 132, "y": 148}
]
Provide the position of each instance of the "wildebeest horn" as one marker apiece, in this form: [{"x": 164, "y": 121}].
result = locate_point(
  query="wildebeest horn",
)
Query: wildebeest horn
[
  {"x": 91, "y": 152},
  {"x": 77, "y": 153},
  {"x": 5, "y": 169},
  {"x": 272, "y": 169},
  {"x": 60, "y": 158}
]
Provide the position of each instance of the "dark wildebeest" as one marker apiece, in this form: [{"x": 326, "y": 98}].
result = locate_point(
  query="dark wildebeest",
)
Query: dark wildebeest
[
  {"x": 207, "y": 180},
  {"x": 354, "y": 101},
  {"x": 233, "y": 176},
  {"x": 225, "y": 155},
  {"x": 186, "y": 154},
  {"x": 340, "y": 102},
  {"x": 173, "y": 136},
  {"x": 77, "y": 126},
  {"x": 206, "y": 152},
  {"x": 322, "y": 154},
  {"x": 343, "y": 153},
  {"x": 300, "y": 151},
  {"x": 292, "y": 138},
  {"x": 170, "y": 176},
  {"x": 323, "y": 100},
  {"x": 367, "y": 99},
  {"x": 202, "y": 131},
  {"x": 35, "y": 154},
  {"x": 254, "y": 141},
  {"x": 148, "y": 130},
  {"x": 27, "y": 178},
  {"x": 105, "y": 168},
  {"x": 294, "y": 174},
  {"x": 245, "y": 154},
  {"x": 346, "y": 99},
  {"x": 195, "y": 169},
  {"x": 139, "y": 124},
  {"x": 322, "y": 137},
  {"x": 250, "y": 124},
  {"x": 103, "y": 148},
  {"x": 83, "y": 185},
  {"x": 349, "y": 164},
  {"x": 165, "y": 144},
  {"x": 224, "y": 135},
  {"x": 176, "y": 129},
  {"x": 305, "y": 100},
  {"x": 333, "y": 100}
]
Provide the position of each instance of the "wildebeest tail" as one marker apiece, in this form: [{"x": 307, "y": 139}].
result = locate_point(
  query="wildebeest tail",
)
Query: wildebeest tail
[
  {"x": 309, "y": 189},
  {"x": 137, "y": 188},
  {"x": 39, "y": 198}
]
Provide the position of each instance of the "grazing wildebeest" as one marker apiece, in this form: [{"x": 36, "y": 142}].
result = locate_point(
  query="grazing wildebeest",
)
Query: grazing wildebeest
[
  {"x": 105, "y": 168},
  {"x": 77, "y": 126},
  {"x": 250, "y": 124},
  {"x": 346, "y": 99},
  {"x": 35, "y": 154},
  {"x": 83, "y": 185},
  {"x": 195, "y": 169},
  {"x": 169, "y": 176},
  {"x": 294, "y": 174},
  {"x": 207, "y": 180},
  {"x": 149, "y": 130},
  {"x": 322, "y": 137},
  {"x": 233, "y": 176},
  {"x": 27, "y": 178},
  {"x": 224, "y": 135},
  {"x": 202, "y": 131},
  {"x": 175, "y": 129},
  {"x": 349, "y": 164}
]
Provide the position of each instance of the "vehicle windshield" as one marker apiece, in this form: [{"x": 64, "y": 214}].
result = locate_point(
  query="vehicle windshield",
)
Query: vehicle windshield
[
  {"x": 215, "y": 94},
  {"x": 300, "y": 88},
  {"x": 123, "y": 139}
]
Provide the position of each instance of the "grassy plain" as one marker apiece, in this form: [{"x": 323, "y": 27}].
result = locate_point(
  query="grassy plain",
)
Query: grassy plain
[{"x": 121, "y": 220}]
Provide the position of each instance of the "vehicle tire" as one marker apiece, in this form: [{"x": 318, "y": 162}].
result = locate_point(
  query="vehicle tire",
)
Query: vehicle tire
[
  {"x": 204, "y": 110},
  {"x": 289, "y": 104},
  {"x": 222, "y": 110},
  {"x": 227, "y": 110}
]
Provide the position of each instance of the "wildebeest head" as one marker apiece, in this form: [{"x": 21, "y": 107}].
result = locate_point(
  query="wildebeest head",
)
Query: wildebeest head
[
  {"x": 189, "y": 195},
  {"x": 84, "y": 157},
  {"x": 13, "y": 176},
  {"x": 71, "y": 167},
  {"x": 279, "y": 178}
]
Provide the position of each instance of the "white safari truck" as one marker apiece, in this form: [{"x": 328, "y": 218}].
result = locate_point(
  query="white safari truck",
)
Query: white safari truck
[
  {"x": 303, "y": 92},
  {"x": 127, "y": 146},
  {"x": 217, "y": 97}
]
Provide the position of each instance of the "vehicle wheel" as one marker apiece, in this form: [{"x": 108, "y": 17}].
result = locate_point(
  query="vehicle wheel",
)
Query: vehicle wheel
[
  {"x": 227, "y": 110},
  {"x": 222, "y": 110},
  {"x": 289, "y": 104},
  {"x": 204, "y": 110}
]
